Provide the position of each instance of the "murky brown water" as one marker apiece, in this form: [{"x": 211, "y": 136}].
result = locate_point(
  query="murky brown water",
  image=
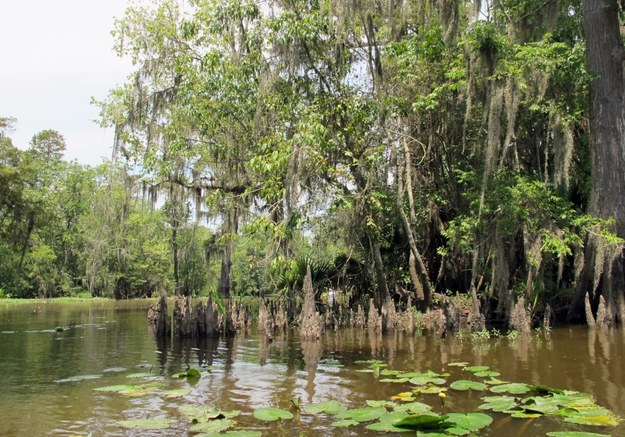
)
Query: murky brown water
[{"x": 112, "y": 339}]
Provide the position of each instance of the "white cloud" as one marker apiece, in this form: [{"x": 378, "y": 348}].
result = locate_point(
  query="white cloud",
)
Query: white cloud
[{"x": 56, "y": 54}]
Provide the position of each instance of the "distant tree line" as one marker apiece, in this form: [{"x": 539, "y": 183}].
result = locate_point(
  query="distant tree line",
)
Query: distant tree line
[{"x": 403, "y": 148}]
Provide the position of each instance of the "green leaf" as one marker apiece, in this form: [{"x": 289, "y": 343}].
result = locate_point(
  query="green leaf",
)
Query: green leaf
[
  {"x": 146, "y": 423},
  {"x": 191, "y": 373},
  {"x": 385, "y": 423},
  {"x": 78, "y": 378},
  {"x": 237, "y": 433},
  {"x": 139, "y": 375},
  {"x": 593, "y": 419},
  {"x": 464, "y": 385},
  {"x": 498, "y": 403},
  {"x": 423, "y": 380},
  {"x": 458, "y": 364},
  {"x": 117, "y": 388},
  {"x": 575, "y": 434},
  {"x": 513, "y": 387},
  {"x": 329, "y": 407},
  {"x": 474, "y": 369},
  {"x": 486, "y": 374},
  {"x": 209, "y": 426},
  {"x": 470, "y": 421},
  {"x": 175, "y": 393},
  {"x": 422, "y": 421},
  {"x": 414, "y": 408},
  {"x": 270, "y": 414},
  {"x": 344, "y": 423},
  {"x": 364, "y": 414}
]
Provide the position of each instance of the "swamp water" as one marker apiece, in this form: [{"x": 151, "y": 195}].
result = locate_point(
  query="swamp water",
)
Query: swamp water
[{"x": 50, "y": 378}]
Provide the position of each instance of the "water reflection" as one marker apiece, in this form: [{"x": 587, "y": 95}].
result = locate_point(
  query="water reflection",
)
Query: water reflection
[{"x": 250, "y": 371}]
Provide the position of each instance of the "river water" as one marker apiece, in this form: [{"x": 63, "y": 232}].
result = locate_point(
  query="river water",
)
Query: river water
[{"x": 50, "y": 376}]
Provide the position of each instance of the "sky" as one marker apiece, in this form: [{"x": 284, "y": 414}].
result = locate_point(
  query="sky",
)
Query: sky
[{"x": 56, "y": 55}]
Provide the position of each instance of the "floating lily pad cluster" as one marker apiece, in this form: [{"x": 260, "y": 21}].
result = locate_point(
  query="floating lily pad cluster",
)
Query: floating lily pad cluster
[
  {"x": 406, "y": 411},
  {"x": 519, "y": 400}
]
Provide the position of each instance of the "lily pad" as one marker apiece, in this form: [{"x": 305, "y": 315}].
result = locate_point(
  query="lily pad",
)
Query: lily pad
[
  {"x": 212, "y": 426},
  {"x": 513, "y": 387},
  {"x": 424, "y": 380},
  {"x": 432, "y": 389},
  {"x": 575, "y": 434},
  {"x": 236, "y": 433},
  {"x": 175, "y": 393},
  {"x": 598, "y": 419},
  {"x": 386, "y": 422},
  {"x": 78, "y": 378},
  {"x": 385, "y": 404},
  {"x": 146, "y": 424},
  {"x": 191, "y": 373},
  {"x": 474, "y": 369},
  {"x": 344, "y": 423},
  {"x": 120, "y": 388},
  {"x": 329, "y": 407},
  {"x": 464, "y": 384},
  {"x": 414, "y": 408},
  {"x": 458, "y": 364},
  {"x": 365, "y": 414},
  {"x": 270, "y": 414},
  {"x": 486, "y": 374},
  {"x": 407, "y": 396},
  {"x": 422, "y": 421},
  {"x": 498, "y": 403},
  {"x": 470, "y": 421},
  {"x": 139, "y": 375}
]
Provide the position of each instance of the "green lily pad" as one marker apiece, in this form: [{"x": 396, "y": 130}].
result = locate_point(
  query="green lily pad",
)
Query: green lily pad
[
  {"x": 432, "y": 389},
  {"x": 513, "y": 387},
  {"x": 464, "y": 385},
  {"x": 146, "y": 423},
  {"x": 458, "y": 364},
  {"x": 575, "y": 434},
  {"x": 387, "y": 372},
  {"x": 470, "y": 421},
  {"x": 365, "y": 414},
  {"x": 589, "y": 418},
  {"x": 414, "y": 408},
  {"x": 139, "y": 375},
  {"x": 422, "y": 421},
  {"x": 191, "y": 373},
  {"x": 523, "y": 414},
  {"x": 486, "y": 374},
  {"x": 200, "y": 413},
  {"x": 212, "y": 426},
  {"x": 498, "y": 403},
  {"x": 236, "y": 433},
  {"x": 424, "y": 380},
  {"x": 78, "y": 378},
  {"x": 494, "y": 381},
  {"x": 386, "y": 422},
  {"x": 329, "y": 407},
  {"x": 344, "y": 423},
  {"x": 270, "y": 414},
  {"x": 474, "y": 369},
  {"x": 401, "y": 380},
  {"x": 389, "y": 404},
  {"x": 175, "y": 393},
  {"x": 117, "y": 388}
]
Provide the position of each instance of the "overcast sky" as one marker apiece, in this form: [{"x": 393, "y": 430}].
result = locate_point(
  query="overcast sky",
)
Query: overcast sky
[{"x": 56, "y": 55}]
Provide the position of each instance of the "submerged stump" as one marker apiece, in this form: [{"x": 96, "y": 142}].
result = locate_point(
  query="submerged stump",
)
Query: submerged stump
[
  {"x": 312, "y": 323},
  {"x": 158, "y": 318}
]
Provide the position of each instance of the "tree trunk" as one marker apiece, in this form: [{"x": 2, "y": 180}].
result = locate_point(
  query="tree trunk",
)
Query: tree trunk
[
  {"x": 604, "y": 56},
  {"x": 230, "y": 227}
]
